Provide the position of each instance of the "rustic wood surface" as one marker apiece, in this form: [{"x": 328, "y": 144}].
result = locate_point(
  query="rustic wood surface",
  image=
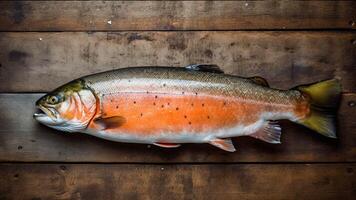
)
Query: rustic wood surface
[
  {"x": 23, "y": 139},
  {"x": 44, "y": 44},
  {"x": 176, "y": 15},
  {"x": 42, "y": 61},
  {"x": 244, "y": 181}
]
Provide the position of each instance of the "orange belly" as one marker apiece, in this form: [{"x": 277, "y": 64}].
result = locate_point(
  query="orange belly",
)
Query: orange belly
[{"x": 149, "y": 114}]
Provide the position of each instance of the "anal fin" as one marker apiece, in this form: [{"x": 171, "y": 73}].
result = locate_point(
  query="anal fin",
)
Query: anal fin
[
  {"x": 166, "y": 145},
  {"x": 224, "y": 144},
  {"x": 270, "y": 133}
]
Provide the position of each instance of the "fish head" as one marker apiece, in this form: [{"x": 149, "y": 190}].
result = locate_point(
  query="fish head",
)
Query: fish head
[{"x": 68, "y": 108}]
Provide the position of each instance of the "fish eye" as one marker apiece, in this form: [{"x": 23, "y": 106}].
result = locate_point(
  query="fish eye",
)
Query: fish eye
[{"x": 53, "y": 99}]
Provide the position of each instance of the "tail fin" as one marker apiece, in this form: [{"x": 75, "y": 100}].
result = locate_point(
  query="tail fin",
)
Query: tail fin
[{"x": 325, "y": 97}]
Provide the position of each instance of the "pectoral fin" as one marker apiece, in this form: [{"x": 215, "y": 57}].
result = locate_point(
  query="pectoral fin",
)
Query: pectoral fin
[
  {"x": 224, "y": 144},
  {"x": 166, "y": 145},
  {"x": 110, "y": 122}
]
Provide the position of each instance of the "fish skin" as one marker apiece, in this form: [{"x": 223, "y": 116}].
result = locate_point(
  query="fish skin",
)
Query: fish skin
[
  {"x": 175, "y": 105},
  {"x": 166, "y": 106}
]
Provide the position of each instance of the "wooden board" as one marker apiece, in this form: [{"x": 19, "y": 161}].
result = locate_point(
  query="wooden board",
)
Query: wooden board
[
  {"x": 22, "y": 139},
  {"x": 245, "y": 181},
  {"x": 43, "y": 61},
  {"x": 175, "y": 15},
  {"x": 44, "y": 44}
]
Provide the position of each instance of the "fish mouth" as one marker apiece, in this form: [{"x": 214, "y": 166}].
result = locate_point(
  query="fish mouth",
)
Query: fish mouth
[{"x": 43, "y": 112}]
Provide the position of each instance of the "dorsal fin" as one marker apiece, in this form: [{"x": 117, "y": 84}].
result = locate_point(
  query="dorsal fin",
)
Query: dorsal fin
[
  {"x": 205, "y": 68},
  {"x": 259, "y": 81}
]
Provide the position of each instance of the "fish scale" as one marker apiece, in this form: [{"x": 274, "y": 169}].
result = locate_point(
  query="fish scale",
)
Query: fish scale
[{"x": 167, "y": 106}]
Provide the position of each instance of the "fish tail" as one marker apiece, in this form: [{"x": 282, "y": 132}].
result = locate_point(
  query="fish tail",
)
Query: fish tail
[{"x": 324, "y": 100}]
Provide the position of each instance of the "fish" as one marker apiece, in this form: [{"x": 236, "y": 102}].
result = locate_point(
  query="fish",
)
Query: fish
[{"x": 199, "y": 103}]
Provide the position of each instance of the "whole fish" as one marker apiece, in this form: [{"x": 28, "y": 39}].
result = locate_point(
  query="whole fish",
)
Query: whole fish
[{"x": 167, "y": 106}]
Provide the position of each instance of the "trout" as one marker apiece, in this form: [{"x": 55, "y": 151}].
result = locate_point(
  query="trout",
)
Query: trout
[{"x": 167, "y": 106}]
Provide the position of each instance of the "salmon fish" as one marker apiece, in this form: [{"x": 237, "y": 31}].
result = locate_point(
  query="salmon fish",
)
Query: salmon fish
[{"x": 167, "y": 106}]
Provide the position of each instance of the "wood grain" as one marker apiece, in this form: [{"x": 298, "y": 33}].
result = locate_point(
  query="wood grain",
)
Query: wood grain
[
  {"x": 246, "y": 38},
  {"x": 246, "y": 181},
  {"x": 22, "y": 139},
  {"x": 43, "y": 61},
  {"x": 175, "y": 15}
]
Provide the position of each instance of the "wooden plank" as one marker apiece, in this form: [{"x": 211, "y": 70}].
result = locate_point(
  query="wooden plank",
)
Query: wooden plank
[
  {"x": 176, "y": 15},
  {"x": 22, "y": 139},
  {"x": 42, "y": 61},
  {"x": 246, "y": 181}
]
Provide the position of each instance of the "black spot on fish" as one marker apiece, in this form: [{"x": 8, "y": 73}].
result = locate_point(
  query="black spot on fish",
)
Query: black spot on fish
[
  {"x": 189, "y": 123},
  {"x": 185, "y": 116},
  {"x": 156, "y": 97},
  {"x": 192, "y": 104},
  {"x": 202, "y": 105},
  {"x": 129, "y": 81},
  {"x": 196, "y": 94},
  {"x": 147, "y": 92},
  {"x": 16, "y": 175},
  {"x": 224, "y": 103},
  {"x": 177, "y": 108},
  {"x": 182, "y": 92},
  {"x": 164, "y": 85},
  {"x": 154, "y": 103},
  {"x": 19, "y": 147},
  {"x": 117, "y": 107},
  {"x": 162, "y": 106},
  {"x": 134, "y": 102},
  {"x": 141, "y": 114},
  {"x": 208, "y": 117},
  {"x": 110, "y": 100},
  {"x": 168, "y": 103}
]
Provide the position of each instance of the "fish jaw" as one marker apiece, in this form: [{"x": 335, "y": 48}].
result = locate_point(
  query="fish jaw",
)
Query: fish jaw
[{"x": 46, "y": 116}]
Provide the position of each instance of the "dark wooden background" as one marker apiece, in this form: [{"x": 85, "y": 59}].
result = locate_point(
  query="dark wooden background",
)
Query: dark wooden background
[{"x": 46, "y": 44}]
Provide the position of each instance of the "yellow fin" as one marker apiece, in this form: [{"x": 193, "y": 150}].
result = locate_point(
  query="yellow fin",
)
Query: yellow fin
[{"x": 324, "y": 101}]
